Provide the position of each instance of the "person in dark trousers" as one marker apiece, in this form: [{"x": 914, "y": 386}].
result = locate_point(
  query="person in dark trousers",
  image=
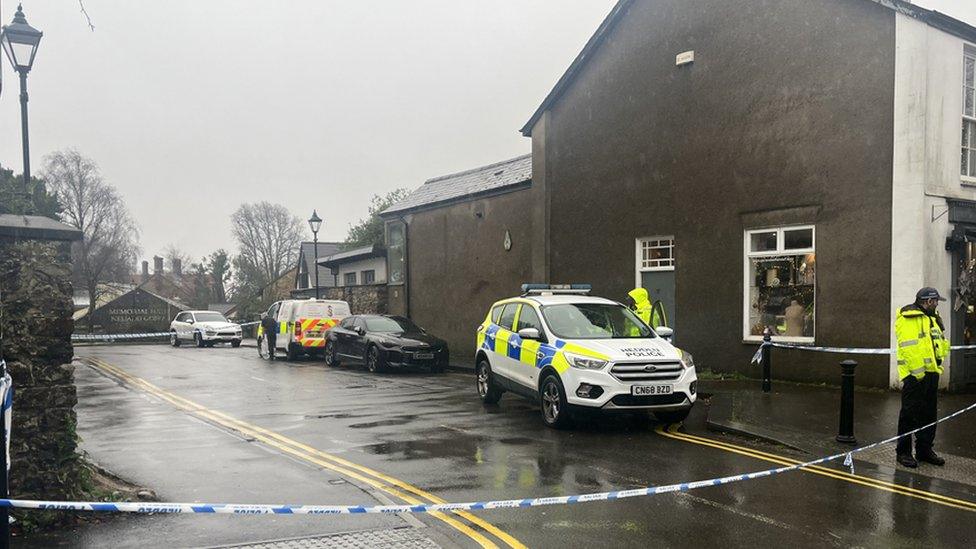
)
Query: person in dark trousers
[
  {"x": 270, "y": 330},
  {"x": 922, "y": 347}
]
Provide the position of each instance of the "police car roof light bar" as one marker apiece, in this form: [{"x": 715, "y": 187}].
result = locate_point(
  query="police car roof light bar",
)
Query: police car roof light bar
[{"x": 552, "y": 289}]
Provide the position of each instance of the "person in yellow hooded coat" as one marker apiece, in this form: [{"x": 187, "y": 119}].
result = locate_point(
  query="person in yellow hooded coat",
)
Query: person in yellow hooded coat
[
  {"x": 922, "y": 346},
  {"x": 642, "y": 307}
]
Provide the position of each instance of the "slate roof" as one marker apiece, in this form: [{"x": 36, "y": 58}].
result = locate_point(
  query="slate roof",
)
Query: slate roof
[
  {"x": 326, "y": 280},
  {"x": 469, "y": 183},
  {"x": 355, "y": 254}
]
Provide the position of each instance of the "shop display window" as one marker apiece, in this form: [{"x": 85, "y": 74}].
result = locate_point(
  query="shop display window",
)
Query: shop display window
[{"x": 780, "y": 282}]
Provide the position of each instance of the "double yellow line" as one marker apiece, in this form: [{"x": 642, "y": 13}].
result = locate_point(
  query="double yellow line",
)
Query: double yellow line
[
  {"x": 408, "y": 493},
  {"x": 672, "y": 432}
]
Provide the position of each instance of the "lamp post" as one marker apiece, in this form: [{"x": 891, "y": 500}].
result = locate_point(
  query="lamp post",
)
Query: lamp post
[
  {"x": 20, "y": 41},
  {"x": 315, "y": 223}
]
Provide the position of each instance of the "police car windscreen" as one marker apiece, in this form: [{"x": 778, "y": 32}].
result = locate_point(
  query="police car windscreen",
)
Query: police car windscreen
[
  {"x": 323, "y": 310},
  {"x": 210, "y": 317},
  {"x": 594, "y": 321}
]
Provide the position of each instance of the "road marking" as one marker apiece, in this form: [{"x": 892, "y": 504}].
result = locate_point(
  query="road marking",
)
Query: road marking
[
  {"x": 380, "y": 481},
  {"x": 671, "y": 432}
]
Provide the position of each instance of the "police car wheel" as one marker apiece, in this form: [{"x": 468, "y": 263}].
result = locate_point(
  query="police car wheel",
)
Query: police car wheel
[
  {"x": 174, "y": 339},
  {"x": 292, "y": 353},
  {"x": 555, "y": 412},
  {"x": 235, "y": 343},
  {"x": 488, "y": 390},
  {"x": 676, "y": 416}
]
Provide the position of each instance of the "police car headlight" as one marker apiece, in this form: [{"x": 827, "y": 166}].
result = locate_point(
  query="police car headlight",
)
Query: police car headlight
[
  {"x": 687, "y": 360},
  {"x": 211, "y": 332},
  {"x": 585, "y": 362}
]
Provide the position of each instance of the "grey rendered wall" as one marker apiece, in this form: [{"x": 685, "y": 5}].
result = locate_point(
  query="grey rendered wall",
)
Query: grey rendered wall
[
  {"x": 784, "y": 117},
  {"x": 458, "y": 265}
]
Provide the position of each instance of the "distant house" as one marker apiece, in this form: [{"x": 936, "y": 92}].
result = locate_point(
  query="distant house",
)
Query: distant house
[
  {"x": 305, "y": 275},
  {"x": 193, "y": 289},
  {"x": 357, "y": 267}
]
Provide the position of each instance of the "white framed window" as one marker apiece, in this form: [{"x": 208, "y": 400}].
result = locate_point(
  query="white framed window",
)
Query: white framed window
[
  {"x": 780, "y": 281},
  {"x": 655, "y": 254},
  {"x": 968, "y": 158}
]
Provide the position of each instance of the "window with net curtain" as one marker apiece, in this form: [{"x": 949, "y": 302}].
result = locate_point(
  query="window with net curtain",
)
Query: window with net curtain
[{"x": 780, "y": 283}]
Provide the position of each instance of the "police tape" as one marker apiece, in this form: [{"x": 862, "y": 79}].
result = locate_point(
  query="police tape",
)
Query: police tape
[
  {"x": 757, "y": 358},
  {"x": 271, "y": 509},
  {"x": 134, "y": 336},
  {"x": 117, "y": 337}
]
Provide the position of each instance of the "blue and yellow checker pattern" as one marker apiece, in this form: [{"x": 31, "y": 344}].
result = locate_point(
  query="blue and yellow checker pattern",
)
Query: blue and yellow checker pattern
[{"x": 536, "y": 354}]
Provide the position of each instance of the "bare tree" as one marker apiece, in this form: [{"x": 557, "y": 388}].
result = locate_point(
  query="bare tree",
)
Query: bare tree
[
  {"x": 108, "y": 249},
  {"x": 173, "y": 253},
  {"x": 269, "y": 236}
]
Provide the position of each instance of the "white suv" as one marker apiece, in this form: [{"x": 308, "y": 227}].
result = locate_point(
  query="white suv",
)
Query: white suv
[
  {"x": 204, "y": 328},
  {"x": 565, "y": 349}
]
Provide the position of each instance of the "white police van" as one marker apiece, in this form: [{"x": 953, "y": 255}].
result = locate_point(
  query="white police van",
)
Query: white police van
[{"x": 565, "y": 349}]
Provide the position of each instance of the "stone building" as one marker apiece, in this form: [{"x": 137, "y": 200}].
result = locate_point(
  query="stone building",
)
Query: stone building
[{"x": 802, "y": 166}]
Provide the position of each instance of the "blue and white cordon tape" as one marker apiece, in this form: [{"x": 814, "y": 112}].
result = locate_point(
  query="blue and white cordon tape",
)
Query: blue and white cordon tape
[
  {"x": 239, "y": 509},
  {"x": 756, "y": 358},
  {"x": 129, "y": 337}
]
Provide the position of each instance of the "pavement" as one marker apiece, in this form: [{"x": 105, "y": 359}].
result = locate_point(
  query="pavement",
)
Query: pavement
[
  {"x": 806, "y": 418},
  {"x": 222, "y": 425}
]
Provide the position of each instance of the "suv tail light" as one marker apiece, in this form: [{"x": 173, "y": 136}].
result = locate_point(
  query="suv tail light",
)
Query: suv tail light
[{"x": 298, "y": 329}]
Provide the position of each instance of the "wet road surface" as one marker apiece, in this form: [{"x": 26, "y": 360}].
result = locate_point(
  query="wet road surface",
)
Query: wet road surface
[{"x": 304, "y": 433}]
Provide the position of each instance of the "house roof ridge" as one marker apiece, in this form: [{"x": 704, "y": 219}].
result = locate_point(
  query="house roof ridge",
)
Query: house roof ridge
[{"x": 478, "y": 169}]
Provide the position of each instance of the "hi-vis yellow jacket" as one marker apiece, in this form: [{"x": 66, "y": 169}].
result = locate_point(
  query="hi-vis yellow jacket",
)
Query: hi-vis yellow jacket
[
  {"x": 921, "y": 344},
  {"x": 642, "y": 304}
]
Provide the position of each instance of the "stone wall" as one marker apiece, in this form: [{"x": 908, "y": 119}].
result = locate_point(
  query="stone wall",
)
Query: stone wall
[
  {"x": 363, "y": 300},
  {"x": 35, "y": 294}
]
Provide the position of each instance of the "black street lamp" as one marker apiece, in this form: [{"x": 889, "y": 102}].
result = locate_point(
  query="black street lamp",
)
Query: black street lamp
[
  {"x": 20, "y": 41},
  {"x": 315, "y": 223}
]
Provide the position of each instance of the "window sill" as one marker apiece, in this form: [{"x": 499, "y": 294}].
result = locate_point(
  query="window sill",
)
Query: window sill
[
  {"x": 968, "y": 181},
  {"x": 755, "y": 340}
]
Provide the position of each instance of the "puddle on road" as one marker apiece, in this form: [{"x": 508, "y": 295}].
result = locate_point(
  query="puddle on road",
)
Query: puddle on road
[
  {"x": 399, "y": 420},
  {"x": 341, "y": 415}
]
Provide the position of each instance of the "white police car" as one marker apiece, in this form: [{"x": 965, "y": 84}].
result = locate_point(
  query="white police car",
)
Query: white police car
[{"x": 565, "y": 349}]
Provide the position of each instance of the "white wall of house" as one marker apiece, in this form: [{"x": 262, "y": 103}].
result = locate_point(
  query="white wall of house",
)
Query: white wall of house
[
  {"x": 927, "y": 149},
  {"x": 377, "y": 264}
]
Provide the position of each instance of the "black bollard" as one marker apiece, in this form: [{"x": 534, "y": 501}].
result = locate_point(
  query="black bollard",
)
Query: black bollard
[
  {"x": 846, "y": 431},
  {"x": 767, "y": 379}
]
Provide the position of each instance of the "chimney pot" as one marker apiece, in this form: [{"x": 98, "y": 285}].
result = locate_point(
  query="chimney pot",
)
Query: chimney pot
[{"x": 157, "y": 265}]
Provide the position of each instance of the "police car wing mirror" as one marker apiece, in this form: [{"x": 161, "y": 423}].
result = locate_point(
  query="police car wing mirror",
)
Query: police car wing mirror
[
  {"x": 529, "y": 333},
  {"x": 359, "y": 330},
  {"x": 664, "y": 332}
]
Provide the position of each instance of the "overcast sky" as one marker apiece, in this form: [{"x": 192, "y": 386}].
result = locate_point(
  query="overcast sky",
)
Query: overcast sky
[{"x": 192, "y": 107}]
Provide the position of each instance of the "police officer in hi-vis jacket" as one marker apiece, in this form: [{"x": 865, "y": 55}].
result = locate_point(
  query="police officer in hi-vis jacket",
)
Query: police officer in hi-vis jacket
[{"x": 922, "y": 346}]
